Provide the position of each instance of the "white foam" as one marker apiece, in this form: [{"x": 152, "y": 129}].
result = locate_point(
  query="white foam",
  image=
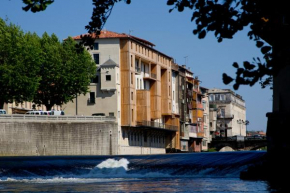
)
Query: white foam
[{"x": 112, "y": 163}]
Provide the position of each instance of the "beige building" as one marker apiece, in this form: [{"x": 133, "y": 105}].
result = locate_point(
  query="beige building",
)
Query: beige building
[
  {"x": 134, "y": 84},
  {"x": 230, "y": 111}
]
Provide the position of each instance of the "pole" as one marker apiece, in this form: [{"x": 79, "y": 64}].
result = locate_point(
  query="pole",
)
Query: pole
[{"x": 76, "y": 104}]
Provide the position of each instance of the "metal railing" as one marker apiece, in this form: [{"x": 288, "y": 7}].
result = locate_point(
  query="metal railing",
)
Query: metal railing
[
  {"x": 138, "y": 70},
  {"x": 20, "y": 117},
  {"x": 152, "y": 75},
  {"x": 225, "y": 116},
  {"x": 159, "y": 125}
]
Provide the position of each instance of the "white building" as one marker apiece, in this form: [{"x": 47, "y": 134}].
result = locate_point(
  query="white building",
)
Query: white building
[{"x": 231, "y": 113}]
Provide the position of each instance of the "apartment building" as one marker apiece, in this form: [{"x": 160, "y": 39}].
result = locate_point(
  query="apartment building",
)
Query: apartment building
[
  {"x": 134, "y": 84},
  {"x": 227, "y": 113},
  {"x": 206, "y": 127}
]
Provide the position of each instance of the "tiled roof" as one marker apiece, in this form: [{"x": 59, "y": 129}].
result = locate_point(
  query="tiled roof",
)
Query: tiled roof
[
  {"x": 109, "y": 34},
  {"x": 109, "y": 62}
]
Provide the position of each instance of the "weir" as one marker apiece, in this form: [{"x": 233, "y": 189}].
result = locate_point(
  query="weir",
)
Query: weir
[{"x": 215, "y": 164}]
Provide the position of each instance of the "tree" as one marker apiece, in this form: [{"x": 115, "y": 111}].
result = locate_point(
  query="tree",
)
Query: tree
[
  {"x": 19, "y": 64},
  {"x": 65, "y": 72}
]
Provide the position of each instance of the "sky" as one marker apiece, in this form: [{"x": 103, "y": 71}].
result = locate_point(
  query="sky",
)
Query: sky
[{"x": 170, "y": 32}]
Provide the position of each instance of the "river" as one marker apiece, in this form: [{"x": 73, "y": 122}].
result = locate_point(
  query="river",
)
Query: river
[{"x": 188, "y": 172}]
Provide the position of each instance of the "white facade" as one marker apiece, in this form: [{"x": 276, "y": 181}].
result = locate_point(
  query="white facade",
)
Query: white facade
[{"x": 231, "y": 112}]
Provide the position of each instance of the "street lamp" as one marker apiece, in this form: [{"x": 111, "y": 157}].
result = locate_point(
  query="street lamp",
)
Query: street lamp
[
  {"x": 247, "y": 123},
  {"x": 240, "y": 122}
]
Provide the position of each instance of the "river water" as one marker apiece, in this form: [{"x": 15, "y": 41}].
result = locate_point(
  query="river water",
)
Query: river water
[{"x": 190, "y": 172}]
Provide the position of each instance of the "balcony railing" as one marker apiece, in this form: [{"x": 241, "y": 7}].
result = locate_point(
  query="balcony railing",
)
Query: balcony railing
[
  {"x": 152, "y": 75},
  {"x": 138, "y": 70},
  {"x": 91, "y": 101},
  {"x": 158, "y": 125},
  {"x": 226, "y": 116},
  {"x": 200, "y": 134}
]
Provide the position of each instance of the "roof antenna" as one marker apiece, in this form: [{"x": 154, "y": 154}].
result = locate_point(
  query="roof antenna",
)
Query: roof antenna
[
  {"x": 185, "y": 57},
  {"x": 130, "y": 32}
]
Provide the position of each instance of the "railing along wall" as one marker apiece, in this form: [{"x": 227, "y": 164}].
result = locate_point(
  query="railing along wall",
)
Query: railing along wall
[{"x": 20, "y": 117}]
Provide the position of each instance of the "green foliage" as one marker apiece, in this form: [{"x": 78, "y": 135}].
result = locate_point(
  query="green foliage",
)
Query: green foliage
[
  {"x": 269, "y": 24},
  {"x": 36, "y": 5},
  {"x": 65, "y": 72},
  {"x": 212, "y": 150},
  {"x": 41, "y": 70},
  {"x": 19, "y": 64}
]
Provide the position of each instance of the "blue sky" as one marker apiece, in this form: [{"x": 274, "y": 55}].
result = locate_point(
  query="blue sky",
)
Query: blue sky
[{"x": 170, "y": 32}]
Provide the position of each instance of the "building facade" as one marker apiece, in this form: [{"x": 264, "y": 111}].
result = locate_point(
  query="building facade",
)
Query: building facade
[
  {"x": 227, "y": 113},
  {"x": 134, "y": 84}
]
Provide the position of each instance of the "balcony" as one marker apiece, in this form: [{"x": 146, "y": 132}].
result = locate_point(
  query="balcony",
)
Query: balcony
[
  {"x": 189, "y": 80},
  {"x": 189, "y": 94},
  {"x": 200, "y": 134},
  {"x": 137, "y": 70},
  {"x": 158, "y": 125},
  {"x": 225, "y": 116},
  {"x": 91, "y": 101},
  {"x": 151, "y": 76}
]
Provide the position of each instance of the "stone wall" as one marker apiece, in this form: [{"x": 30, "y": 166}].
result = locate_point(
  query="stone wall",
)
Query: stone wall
[{"x": 58, "y": 138}]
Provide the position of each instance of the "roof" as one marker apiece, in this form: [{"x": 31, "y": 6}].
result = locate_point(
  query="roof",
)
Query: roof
[
  {"x": 109, "y": 63},
  {"x": 105, "y": 34},
  {"x": 109, "y": 34}
]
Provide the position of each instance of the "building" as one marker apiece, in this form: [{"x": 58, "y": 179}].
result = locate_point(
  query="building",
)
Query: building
[
  {"x": 206, "y": 127},
  {"x": 134, "y": 84},
  {"x": 227, "y": 113}
]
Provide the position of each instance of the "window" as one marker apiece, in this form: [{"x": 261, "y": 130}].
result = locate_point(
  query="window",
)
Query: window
[
  {"x": 131, "y": 78},
  {"x": 97, "y": 58},
  {"x": 111, "y": 114},
  {"x": 140, "y": 83},
  {"x": 92, "y": 97},
  {"x": 108, "y": 77},
  {"x": 131, "y": 61},
  {"x": 173, "y": 95},
  {"x": 96, "y": 46},
  {"x": 223, "y": 112},
  {"x": 95, "y": 80},
  {"x": 211, "y": 97},
  {"x": 132, "y": 115},
  {"x": 222, "y": 97},
  {"x": 210, "y": 124},
  {"x": 131, "y": 95},
  {"x": 204, "y": 105}
]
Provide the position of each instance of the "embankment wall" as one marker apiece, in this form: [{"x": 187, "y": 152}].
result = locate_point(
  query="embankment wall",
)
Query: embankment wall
[{"x": 47, "y": 138}]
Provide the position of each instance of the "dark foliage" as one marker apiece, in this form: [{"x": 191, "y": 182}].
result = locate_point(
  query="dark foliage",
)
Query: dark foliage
[{"x": 268, "y": 22}]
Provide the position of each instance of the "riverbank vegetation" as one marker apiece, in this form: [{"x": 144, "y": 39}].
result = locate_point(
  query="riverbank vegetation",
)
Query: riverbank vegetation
[{"x": 41, "y": 69}]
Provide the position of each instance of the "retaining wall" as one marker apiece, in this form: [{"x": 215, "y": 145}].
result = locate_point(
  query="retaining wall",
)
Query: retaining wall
[{"x": 58, "y": 138}]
